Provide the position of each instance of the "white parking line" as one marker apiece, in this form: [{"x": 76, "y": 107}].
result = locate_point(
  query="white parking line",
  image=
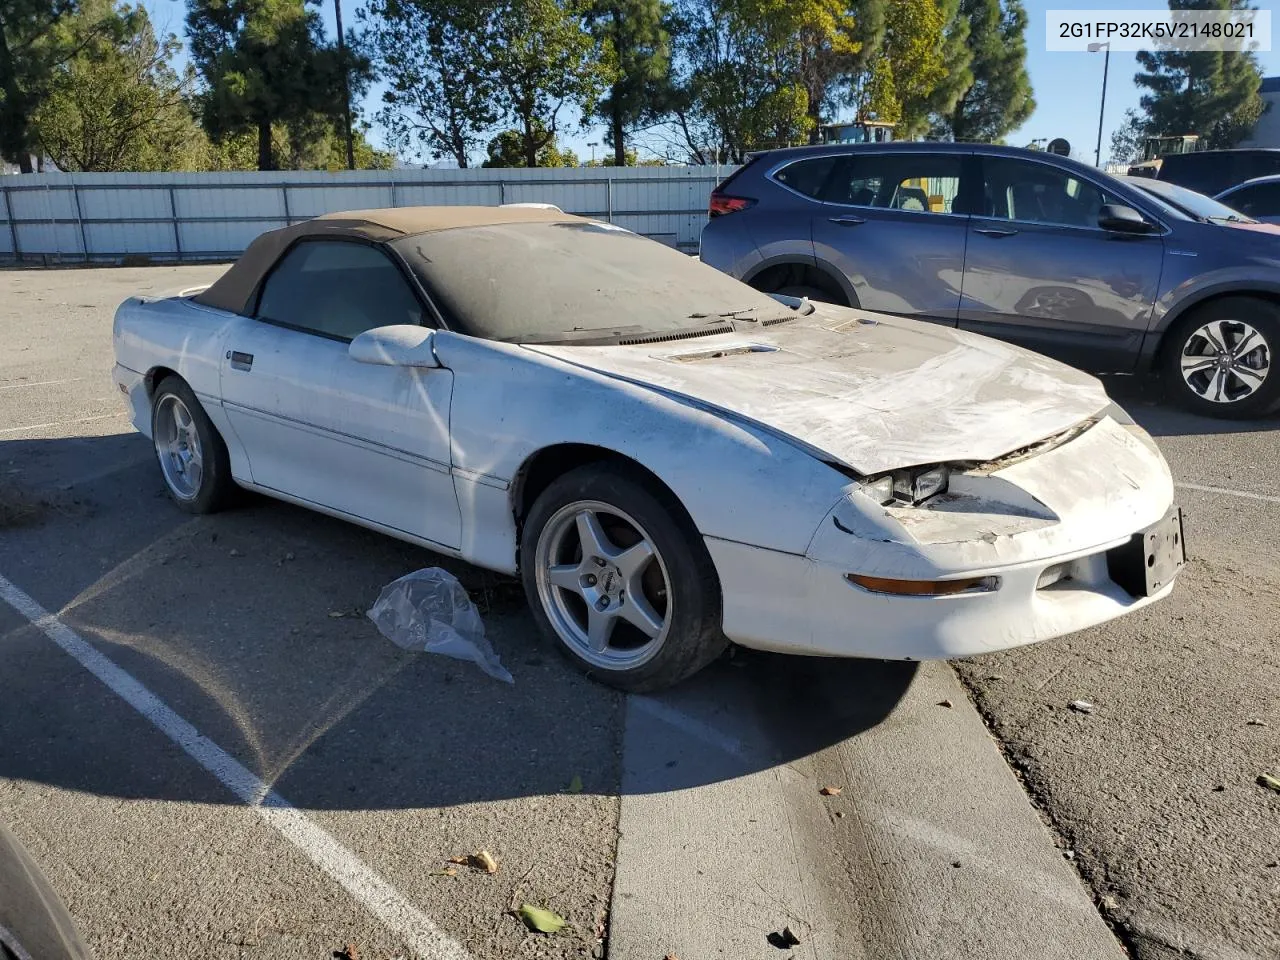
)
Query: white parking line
[
  {"x": 1225, "y": 491},
  {"x": 63, "y": 423},
  {"x": 38, "y": 383},
  {"x": 691, "y": 725},
  {"x": 359, "y": 880}
]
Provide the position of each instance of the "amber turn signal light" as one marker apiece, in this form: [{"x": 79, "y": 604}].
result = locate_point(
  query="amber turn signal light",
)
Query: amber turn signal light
[{"x": 923, "y": 588}]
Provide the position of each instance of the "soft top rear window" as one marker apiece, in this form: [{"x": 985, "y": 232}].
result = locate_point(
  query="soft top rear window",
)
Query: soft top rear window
[{"x": 573, "y": 281}]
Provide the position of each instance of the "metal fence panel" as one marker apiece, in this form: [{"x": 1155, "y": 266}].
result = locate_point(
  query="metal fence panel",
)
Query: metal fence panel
[{"x": 178, "y": 216}]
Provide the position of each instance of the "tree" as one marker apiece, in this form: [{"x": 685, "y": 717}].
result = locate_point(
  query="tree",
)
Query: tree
[
  {"x": 1210, "y": 93},
  {"x": 265, "y": 62},
  {"x": 322, "y": 148},
  {"x": 737, "y": 88},
  {"x": 434, "y": 57},
  {"x": 920, "y": 104},
  {"x": 1126, "y": 139},
  {"x": 999, "y": 98},
  {"x": 36, "y": 38},
  {"x": 118, "y": 104},
  {"x": 908, "y": 66},
  {"x": 507, "y": 149},
  {"x": 546, "y": 59},
  {"x": 635, "y": 31}
]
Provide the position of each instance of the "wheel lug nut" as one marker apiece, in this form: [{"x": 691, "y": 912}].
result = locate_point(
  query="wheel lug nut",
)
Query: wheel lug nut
[
  {"x": 598, "y": 561},
  {"x": 591, "y": 580},
  {"x": 602, "y": 603}
]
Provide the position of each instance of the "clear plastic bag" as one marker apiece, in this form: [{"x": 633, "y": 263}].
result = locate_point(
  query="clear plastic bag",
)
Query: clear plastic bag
[{"x": 429, "y": 610}]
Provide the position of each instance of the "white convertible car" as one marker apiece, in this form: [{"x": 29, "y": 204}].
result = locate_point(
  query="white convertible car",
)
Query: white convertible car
[{"x": 669, "y": 459}]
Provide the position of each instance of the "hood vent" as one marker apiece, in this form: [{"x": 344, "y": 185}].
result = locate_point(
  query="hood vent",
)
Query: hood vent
[{"x": 671, "y": 337}]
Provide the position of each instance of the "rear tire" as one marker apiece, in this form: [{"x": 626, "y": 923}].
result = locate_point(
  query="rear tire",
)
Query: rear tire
[
  {"x": 1220, "y": 361},
  {"x": 193, "y": 459},
  {"x": 619, "y": 580}
]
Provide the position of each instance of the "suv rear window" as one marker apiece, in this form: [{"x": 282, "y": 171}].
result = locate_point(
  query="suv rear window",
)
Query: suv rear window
[{"x": 807, "y": 176}]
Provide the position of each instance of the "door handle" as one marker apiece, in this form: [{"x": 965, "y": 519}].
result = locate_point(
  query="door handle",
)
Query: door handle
[
  {"x": 993, "y": 232},
  {"x": 846, "y": 221},
  {"x": 240, "y": 361}
]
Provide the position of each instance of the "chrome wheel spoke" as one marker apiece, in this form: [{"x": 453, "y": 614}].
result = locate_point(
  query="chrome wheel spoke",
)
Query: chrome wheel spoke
[
  {"x": 637, "y": 611},
  {"x": 1194, "y": 364},
  {"x": 632, "y": 561},
  {"x": 1248, "y": 376},
  {"x": 566, "y": 576},
  {"x": 599, "y": 628},
  {"x": 1249, "y": 340},
  {"x": 595, "y": 542},
  {"x": 1216, "y": 335},
  {"x": 1216, "y": 383}
]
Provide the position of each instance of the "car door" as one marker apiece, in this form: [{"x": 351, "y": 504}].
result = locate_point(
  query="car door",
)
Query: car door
[
  {"x": 1040, "y": 272},
  {"x": 894, "y": 223},
  {"x": 366, "y": 440}
]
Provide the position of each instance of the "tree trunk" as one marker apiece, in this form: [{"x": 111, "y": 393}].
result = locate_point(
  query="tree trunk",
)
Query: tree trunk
[
  {"x": 264, "y": 145},
  {"x": 814, "y": 111},
  {"x": 619, "y": 132},
  {"x": 14, "y": 137},
  {"x": 530, "y": 146}
]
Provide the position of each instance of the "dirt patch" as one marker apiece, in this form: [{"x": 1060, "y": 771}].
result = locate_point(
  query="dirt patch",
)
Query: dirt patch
[{"x": 23, "y": 508}]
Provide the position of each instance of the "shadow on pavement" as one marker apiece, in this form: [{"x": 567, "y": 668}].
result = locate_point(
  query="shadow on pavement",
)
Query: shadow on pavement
[
  {"x": 1144, "y": 400},
  {"x": 250, "y": 625}
]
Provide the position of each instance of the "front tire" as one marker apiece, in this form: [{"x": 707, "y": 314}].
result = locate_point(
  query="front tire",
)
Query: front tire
[
  {"x": 1219, "y": 360},
  {"x": 618, "y": 579},
  {"x": 193, "y": 459}
]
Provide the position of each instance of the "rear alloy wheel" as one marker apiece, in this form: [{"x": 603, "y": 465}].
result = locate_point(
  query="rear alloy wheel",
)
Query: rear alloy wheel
[
  {"x": 1220, "y": 361},
  {"x": 618, "y": 582},
  {"x": 193, "y": 459}
]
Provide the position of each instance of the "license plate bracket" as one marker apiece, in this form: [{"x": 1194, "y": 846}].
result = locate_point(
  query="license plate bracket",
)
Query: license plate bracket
[{"x": 1152, "y": 558}]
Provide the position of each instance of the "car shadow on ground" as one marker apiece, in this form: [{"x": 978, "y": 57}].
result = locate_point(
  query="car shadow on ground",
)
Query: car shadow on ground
[
  {"x": 250, "y": 625},
  {"x": 1145, "y": 399}
]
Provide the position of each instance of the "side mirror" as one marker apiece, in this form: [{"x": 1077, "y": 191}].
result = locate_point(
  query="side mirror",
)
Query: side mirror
[
  {"x": 1121, "y": 219},
  {"x": 401, "y": 345}
]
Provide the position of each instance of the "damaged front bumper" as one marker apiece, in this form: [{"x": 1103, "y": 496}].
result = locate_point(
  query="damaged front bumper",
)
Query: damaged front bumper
[{"x": 1049, "y": 535}]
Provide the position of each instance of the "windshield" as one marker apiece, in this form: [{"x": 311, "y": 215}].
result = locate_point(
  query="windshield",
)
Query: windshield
[
  {"x": 1187, "y": 202},
  {"x": 575, "y": 281}
]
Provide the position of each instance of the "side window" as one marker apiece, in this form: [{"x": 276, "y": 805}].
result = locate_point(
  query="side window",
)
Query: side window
[
  {"x": 337, "y": 289},
  {"x": 807, "y": 176},
  {"x": 919, "y": 182},
  {"x": 1260, "y": 200},
  {"x": 1038, "y": 193}
]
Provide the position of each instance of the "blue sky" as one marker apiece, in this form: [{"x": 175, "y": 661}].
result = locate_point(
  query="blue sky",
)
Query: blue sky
[{"x": 1068, "y": 86}]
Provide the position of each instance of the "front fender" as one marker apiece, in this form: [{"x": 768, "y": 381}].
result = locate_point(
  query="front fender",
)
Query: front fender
[
  {"x": 737, "y": 482},
  {"x": 1254, "y": 278}
]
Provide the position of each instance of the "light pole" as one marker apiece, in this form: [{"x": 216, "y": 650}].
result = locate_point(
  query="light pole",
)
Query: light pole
[
  {"x": 593, "y": 146},
  {"x": 1106, "y": 63}
]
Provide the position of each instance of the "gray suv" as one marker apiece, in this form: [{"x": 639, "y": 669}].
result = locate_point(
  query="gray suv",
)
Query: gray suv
[{"x": 1025, "y": 246}]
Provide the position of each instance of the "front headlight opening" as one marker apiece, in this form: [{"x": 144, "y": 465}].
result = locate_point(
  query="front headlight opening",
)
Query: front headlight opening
[{"x": 907, "y": 486}]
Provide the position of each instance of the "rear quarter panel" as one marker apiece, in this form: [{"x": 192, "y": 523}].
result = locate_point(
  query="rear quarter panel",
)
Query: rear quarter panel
[{"x": 177, "y": 334}]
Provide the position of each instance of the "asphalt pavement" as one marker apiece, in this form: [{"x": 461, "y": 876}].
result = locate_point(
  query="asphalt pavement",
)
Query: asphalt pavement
[{"x": 212, "y": 752}]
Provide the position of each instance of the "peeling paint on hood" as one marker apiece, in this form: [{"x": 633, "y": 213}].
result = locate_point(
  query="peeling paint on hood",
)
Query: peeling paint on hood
[{"x": 873, "y": 391}]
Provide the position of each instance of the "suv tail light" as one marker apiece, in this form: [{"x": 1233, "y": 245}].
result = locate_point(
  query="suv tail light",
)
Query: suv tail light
[{"x": 722, "y": 203}]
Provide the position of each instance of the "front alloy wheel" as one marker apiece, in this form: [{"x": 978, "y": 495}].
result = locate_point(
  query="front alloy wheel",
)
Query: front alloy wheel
[
  {"x": 603, "y": 584},
  {"x": 619, "y": 579}
]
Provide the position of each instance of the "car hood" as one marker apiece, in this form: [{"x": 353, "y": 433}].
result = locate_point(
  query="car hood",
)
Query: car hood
[{"x": 872, "y": 391}]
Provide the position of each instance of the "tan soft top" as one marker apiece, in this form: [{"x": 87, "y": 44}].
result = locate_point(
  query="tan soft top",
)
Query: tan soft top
[{"x": 234, "y": 290}]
